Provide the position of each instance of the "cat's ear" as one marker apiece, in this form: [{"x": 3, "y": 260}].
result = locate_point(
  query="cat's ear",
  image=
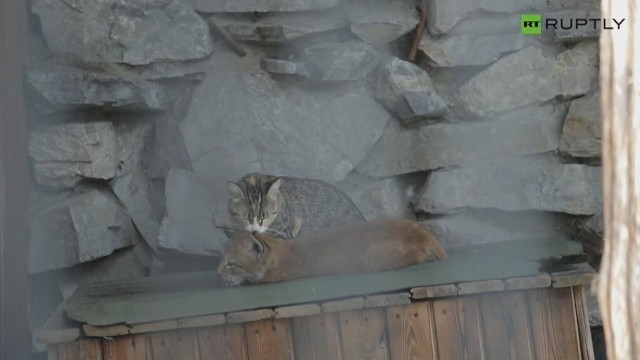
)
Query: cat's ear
[
  {"x": 235, "y": 193},
  {"x": 274, "y": 190}
]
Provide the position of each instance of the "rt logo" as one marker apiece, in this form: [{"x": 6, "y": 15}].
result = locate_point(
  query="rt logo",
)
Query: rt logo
[{"x": 531, "y": 24}]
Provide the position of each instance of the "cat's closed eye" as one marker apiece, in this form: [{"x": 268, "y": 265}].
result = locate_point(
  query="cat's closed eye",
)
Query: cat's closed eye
[{"x": 230, "y": 265}]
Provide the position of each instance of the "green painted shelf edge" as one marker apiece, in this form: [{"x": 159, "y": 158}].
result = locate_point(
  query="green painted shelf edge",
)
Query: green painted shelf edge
[{"x": 187, "y": 295}]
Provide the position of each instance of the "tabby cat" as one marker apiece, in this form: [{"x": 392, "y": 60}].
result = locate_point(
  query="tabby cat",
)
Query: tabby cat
[{"x": 288, "y": 207}]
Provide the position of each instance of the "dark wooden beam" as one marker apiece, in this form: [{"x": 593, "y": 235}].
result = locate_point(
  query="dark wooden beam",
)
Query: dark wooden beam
[{"x": 14, "y": 180}]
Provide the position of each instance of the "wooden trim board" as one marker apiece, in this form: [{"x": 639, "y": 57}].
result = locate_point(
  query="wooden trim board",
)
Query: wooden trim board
[{"x": 138, "y": 301}]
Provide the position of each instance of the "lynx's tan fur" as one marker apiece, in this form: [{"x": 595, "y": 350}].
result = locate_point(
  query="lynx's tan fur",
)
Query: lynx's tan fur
[{"x": 378, "y": 245}]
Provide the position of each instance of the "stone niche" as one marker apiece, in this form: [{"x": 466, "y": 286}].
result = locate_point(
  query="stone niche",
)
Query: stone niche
[{"x": 139, "y": 114}]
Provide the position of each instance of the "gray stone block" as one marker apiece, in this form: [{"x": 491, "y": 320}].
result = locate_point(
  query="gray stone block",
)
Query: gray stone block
[
  {"x": 81, "y": 229},
  {"x": 280, "y": 27},
  {"x": 582, "y": 130},
  {"x": 62, "y": 87},
  {"x": 531, "y": 75},
  {"x": 135, "y": 142},
  {"x": 402, "y": 150},
  {"x": 477, "y": 41},
  {"x": 247, "y": 6},
  {"x": 135, "y": 32},
  {"x": 284, "y": 67},
  {"x": 486, "y": 226},
  {"x": 445, "y": 14},
  {"x": 340, "y": 61},
  {"x": 189, "y": 225},
  {"x": 408, "y": 91},
  {"x": 574, "y": 4},
  {"x": 377, "y": 198},
  {"x": 591, "y": 234},
  {"x": 515, "y": 185},
  {"x": 133, "y": 192},
  {"x": 65, "y": 154},
  {"x": 379, "y": 24},
  {"x": 575, "y": 33}
]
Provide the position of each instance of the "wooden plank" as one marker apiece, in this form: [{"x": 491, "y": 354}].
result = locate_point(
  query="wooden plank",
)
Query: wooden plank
[
  {"x": 363, "y": 334},
  {"x": 269, "y": 340},
  {"x": 343, "y": 305},
  {"x": 410, "y": 332},
  {"x": 133, "y": 347},
  {"x": 541, "y": 280},
  {"x": 483, "y": 286},
  {"x": 57, "y": 329},
  {"x": 223, "y": 343},
  {"x": 554, "y": 323},
  {"x": 317, "y": 337},
  {"x": 505, "y": 321},
  {"x": 153, "y": 326},
  {"x": 81, "y": 350},
  {"x": 458, "y": 328},
  {"x": 384, "y": 300},
  {"x": 202, "y": 321},
  {"x": 251, "y": 315},
  {"x": 185, "y": 344},
  {"x": 133, "y": 302},
  {"x": 297, "y": 310},
  {"x": 102, "y": 331},
  {"x": 162, "y": 346},
  {"x": 584, "y": 330},
  {"x": 427, "y": 292},
  {"x": 573, "y": 275}
]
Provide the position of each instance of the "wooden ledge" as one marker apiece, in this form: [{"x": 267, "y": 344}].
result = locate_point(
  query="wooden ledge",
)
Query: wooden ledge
[
  {"x": 189, "y": 300},
  {"x": 572, "y": 275}
]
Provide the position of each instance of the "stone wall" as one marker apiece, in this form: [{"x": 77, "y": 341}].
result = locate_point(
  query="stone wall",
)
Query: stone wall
[{"x": 139, "y": 114}]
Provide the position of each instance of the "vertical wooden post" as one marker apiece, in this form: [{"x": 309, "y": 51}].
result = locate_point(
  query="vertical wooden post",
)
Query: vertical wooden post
[
  {"x": 619, "y": 281},
  {"x": 14, "y": 180}
]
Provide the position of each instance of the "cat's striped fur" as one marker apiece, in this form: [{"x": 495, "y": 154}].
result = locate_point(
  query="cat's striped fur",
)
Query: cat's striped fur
[{"x": 288, "y": 207}]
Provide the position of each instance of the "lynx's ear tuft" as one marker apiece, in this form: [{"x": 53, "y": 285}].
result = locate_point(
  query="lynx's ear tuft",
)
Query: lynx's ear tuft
[
  {"x": 229, "y": 232},
  {"x": 235, "y": 193},
  {"x": 257, "y": 245}
]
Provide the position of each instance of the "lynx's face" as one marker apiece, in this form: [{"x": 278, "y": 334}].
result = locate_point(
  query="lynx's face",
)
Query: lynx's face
[
  {"x": 243, "y": 260},
  {"x": 254, "y": 208}
]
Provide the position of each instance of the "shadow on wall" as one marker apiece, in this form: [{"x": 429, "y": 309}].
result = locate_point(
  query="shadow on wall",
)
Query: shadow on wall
[{"x": 599, "y": 346}]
